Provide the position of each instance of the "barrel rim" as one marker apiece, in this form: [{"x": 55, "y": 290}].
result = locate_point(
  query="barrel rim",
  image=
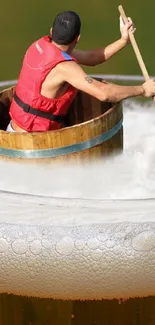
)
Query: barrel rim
[{"x": 73, "y": 127}]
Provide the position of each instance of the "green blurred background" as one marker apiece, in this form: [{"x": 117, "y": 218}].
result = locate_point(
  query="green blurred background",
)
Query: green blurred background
[{"x": 24, "y": 21}]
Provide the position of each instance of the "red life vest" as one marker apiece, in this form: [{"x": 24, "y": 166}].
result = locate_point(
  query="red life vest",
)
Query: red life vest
[{"x": 29, "y": 109}]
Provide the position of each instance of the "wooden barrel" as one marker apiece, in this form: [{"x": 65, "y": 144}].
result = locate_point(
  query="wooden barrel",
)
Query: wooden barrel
[
  {"x": 93, "y": 129},
  {"x": 16, "y": 310}
]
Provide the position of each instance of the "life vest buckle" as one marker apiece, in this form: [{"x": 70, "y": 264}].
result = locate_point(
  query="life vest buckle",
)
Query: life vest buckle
[{"x": 26, "y": 108}]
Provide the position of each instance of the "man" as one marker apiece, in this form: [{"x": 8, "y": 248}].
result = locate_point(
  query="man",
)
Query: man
[{"x": 51, "y": 75}]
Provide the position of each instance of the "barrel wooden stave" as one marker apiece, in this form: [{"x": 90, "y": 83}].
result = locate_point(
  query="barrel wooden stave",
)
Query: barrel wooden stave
[{"x": 16, "y": 310}]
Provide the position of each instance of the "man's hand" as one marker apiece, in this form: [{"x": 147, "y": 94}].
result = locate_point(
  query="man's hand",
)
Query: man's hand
[
  {"x": 149, "y": 88},
  {"x": 125, "y": 28}
]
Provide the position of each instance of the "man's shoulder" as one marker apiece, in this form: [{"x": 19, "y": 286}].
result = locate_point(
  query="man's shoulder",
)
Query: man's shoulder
[{"x": 70, "y": 64}]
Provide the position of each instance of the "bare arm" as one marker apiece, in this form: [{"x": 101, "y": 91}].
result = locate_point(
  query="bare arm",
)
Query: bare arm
[
  {"x": 99, "y": 55},
  {"x": 73, "y": 74}
]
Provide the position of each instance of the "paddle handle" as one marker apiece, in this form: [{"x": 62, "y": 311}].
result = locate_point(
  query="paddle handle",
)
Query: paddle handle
[{"x": 135, "y": 46}]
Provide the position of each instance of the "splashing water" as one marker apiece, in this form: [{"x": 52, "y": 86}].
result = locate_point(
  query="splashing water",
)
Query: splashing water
[{"x": 130, "y": 175}]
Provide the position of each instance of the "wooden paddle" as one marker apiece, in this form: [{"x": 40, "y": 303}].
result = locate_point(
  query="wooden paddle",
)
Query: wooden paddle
[{"x": 135, "y": 46}]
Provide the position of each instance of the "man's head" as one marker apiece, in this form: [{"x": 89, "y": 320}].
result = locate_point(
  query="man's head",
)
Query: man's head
[{"x": 66, "y": 28}]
